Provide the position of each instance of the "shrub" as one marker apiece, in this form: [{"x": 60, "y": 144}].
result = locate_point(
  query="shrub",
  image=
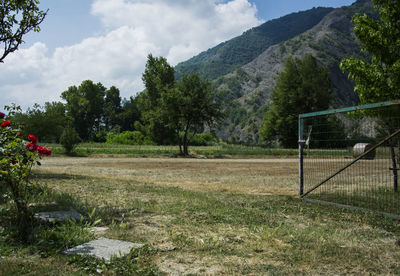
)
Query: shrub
[
  {"x": 69, "y": 139},
  {"x": 204, "y": 139},
  {"x": 17, "y": 157},
  {"x": 128, "y": 138}
]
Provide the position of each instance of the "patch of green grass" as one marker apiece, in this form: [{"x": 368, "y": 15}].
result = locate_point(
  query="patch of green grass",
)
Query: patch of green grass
[
  {"x": 219, "y": 150},
  {"x": 204, "y": 232},
  {"x": 136, "y": 262}
]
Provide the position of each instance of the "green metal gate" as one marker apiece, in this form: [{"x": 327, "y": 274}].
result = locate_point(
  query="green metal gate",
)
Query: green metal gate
[{"x": 351, "y": 157}]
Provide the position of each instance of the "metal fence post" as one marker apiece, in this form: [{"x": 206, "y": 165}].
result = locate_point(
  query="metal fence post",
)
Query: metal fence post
[{"x": 301, "y": 146}]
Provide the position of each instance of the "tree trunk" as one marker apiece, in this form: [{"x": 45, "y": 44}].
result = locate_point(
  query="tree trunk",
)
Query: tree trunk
[
  {"x": 185, "y": 143},
  {"x": 179, "y": 143}
]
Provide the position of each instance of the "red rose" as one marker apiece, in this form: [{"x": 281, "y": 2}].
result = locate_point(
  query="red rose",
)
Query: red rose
[
  {"x": 5, "y": 124},
  {"x": 2, "y": 115},
  {"x": 31, "y": 147},
  {"x": 32, "y": 139},
  {"x": 19, "y": 133},
  {"x": 43, "y": 150}
]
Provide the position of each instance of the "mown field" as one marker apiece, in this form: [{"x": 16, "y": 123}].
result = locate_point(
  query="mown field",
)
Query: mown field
[{"x": 196, "y": 216}]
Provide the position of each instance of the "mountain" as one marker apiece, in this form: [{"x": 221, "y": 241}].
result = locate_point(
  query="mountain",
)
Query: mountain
[
  {"x": 238, "y": 51},
  {"x": 246, "y": 76}
]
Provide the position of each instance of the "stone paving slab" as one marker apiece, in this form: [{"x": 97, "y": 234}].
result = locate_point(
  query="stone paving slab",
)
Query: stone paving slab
[
  {"x": 104, "y": 248},
  {"x": 57, "y": 216}
]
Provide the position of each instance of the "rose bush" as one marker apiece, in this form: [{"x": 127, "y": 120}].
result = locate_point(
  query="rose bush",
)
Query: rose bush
[{"x": 17, "y": 157}]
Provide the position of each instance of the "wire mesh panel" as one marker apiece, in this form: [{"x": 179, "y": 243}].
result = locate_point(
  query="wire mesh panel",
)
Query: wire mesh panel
[{"x": 352, "y": 156}]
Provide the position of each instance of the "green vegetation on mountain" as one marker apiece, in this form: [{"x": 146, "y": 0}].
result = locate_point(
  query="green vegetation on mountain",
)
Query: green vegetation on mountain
[
  {"x": 246, "y": 89},
  {"x": 238, "y": 51},
  {"x": 302, "y": 87}
]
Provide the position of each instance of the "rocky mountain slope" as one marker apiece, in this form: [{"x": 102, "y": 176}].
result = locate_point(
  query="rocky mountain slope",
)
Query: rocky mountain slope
[
  {"x": 246, "y": 89},
  {"x": 232, "y": 54}
]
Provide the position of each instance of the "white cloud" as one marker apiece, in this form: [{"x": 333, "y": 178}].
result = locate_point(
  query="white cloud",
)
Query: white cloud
[{"x": 176, "y": 29}]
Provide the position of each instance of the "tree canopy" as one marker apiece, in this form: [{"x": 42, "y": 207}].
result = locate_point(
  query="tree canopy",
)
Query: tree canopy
[
  {"x": 17, "y": 18},
  {"x": 158, "y": 77},
  {"x": 175, "y": 111},
  {"x": 189, "y": 107},
  {"x": 378, "y": 78},
  {"x": 302, "y": 87}
]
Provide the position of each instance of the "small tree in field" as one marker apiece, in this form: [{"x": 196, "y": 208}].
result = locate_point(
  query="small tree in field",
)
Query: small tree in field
[
  {"x": 69, "y": 138},
  {"x": 17, "y": 157},
  {"x": 188, "y": 107}
]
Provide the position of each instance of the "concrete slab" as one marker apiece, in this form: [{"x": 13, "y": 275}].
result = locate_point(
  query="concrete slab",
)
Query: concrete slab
[
  {"x": 58, "y": 216},
  {"x": 104, "y": 248}
]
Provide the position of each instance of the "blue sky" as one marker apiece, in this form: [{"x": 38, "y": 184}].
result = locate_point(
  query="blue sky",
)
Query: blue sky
[{"x": 108, "y": 41}]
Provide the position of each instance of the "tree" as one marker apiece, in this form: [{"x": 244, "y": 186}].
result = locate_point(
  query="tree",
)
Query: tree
[
  {"x": 129, "y": 115},
  {"x": 302, "y": 87},
  {"x": 112, "y": 108},
  {"x": 158, "y": 78},
  {"x": 17, "y": 18},
  {"x": 377, "y": 79},
  {"x": 85, "y": 105},
  {"x": 47, "y": 121},
  {"x": 69, "y": 138},
  {"x": 188, "y": 107}
]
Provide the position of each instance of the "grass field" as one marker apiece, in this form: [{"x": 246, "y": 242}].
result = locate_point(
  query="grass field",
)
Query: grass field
[
  {"x": 198, "y": 216},
  {"x": 87, "y": 149}
]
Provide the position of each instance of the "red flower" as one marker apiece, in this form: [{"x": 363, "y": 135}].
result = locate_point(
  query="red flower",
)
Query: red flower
[
  {"x": 31, "y": 147},
  {"x": 19, "y": 133},
  {"x": 5, "y": 124},
  {"x": 2, "y": 115},
  {"x": 32, "y": 139},
  {"x": 43, "y": 150}
]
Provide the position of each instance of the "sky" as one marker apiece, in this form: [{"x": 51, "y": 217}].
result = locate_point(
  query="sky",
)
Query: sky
[{"x": 108, "y": 41}]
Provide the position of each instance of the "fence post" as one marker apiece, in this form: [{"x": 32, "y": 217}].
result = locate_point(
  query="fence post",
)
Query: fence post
[{"x": 301, "y": 146}]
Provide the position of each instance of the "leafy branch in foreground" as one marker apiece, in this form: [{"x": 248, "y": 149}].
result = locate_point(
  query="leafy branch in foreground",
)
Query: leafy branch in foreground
[{"x": 18, "y": 18}]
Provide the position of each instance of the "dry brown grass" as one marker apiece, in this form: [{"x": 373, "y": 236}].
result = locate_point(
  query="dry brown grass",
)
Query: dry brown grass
[
  {"x": 226, "y": 216},
  {"x": 247, "y": 176}
]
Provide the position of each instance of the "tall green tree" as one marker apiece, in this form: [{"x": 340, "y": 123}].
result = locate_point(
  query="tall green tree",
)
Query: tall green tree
[
  {"x": 17, "y": 18},
  {"x": 302, "y": 87},
  {"x": 129, "y": 114},
  {"x": 158, "y": 78},
  {"x": 189, "y": 107},
  {"x": 112, "y": 108},
  {"x": 378, "y": 78},
  {"x": 85, "y": 105}
]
